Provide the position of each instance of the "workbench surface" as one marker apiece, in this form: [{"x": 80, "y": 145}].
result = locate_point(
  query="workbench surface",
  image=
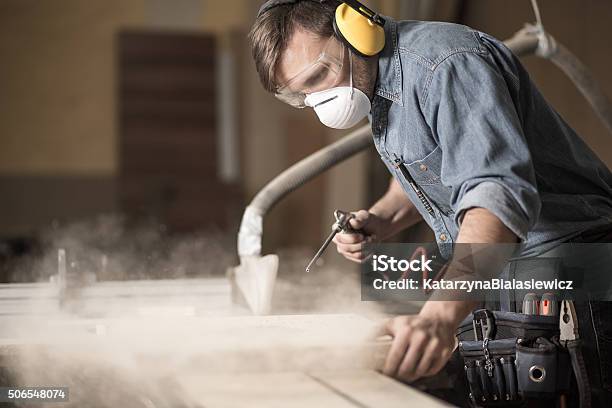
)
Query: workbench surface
[
  {"x": 332, "y": 389},
  {"x": 184, "y": 344}
]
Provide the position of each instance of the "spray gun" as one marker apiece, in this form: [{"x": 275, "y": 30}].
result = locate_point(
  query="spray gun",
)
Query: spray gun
[{"x": 341, "y": 225}]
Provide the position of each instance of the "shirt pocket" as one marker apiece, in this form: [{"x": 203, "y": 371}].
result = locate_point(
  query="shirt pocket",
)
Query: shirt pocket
[{"x": 426, "y": 172}]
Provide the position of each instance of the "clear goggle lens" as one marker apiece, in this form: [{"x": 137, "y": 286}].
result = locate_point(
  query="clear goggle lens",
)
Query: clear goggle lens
[{"x": 322, "y": 74}]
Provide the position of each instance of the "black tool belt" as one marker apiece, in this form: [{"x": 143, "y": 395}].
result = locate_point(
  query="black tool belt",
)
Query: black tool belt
[{"x": 510, "y": 358}]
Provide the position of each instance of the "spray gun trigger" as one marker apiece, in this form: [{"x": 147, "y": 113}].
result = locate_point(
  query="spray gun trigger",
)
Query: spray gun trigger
[{"x": 342, "y": 223}]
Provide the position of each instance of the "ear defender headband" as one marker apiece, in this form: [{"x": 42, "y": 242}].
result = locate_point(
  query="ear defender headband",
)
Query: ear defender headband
[{"x": 357, "y": 26}]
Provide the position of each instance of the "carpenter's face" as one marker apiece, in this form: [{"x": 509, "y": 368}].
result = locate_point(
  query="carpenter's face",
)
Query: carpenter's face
[{"x": 310, "y": 64}]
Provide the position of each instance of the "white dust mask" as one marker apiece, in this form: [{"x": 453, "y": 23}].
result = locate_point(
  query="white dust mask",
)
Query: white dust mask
[{"x": 341, "y": 107}]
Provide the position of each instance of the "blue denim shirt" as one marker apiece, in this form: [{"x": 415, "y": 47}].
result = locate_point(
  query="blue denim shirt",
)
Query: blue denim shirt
[{"x": 456, "y": 117}]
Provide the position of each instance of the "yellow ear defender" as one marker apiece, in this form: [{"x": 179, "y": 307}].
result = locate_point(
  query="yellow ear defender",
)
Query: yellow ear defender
[
  {"x": 360, "y": 28},
  {"x": 356, "y": 25}
]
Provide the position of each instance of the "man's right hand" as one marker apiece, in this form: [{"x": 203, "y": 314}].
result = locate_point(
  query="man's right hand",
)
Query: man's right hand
[
  {"x": 388, "y": 216},
  {"x": 349, "y": 244}
]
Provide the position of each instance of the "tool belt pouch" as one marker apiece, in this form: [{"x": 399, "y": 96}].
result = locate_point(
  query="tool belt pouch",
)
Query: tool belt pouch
[{"x": 510, "y": 358}]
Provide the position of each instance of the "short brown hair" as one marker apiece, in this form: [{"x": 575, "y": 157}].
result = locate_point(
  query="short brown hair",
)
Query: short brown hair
[{"x": 273, "y": 29}]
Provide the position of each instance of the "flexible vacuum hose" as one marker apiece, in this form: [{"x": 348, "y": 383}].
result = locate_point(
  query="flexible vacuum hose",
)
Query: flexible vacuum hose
[
  {"x": 528, "y": 41},
  {"x": 586, "y": 84},
  {"x": 311, "y": 166},
  {"x": 249, "y": 236},
  {"x": 533, "y": 40},
  {"x": 523, "y": 43}
]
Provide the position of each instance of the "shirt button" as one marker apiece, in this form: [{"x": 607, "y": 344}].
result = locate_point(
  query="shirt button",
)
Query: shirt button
[
  {"x": 443, "y": 237},
  {"x": 423, "y": 167}
]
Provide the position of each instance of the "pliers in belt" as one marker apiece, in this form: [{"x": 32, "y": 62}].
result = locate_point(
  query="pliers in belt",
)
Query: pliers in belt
[{"x": 570, "y": 339}]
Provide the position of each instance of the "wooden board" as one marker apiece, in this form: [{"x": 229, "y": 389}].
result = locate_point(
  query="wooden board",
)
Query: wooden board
[
  {"x": 338, "y": 389},
  {"x": 231, "y": 361},
  {"x": 373, "y": 389},
  {"x": 282, "y": 390},
  {"x": 208, "y": 344}
]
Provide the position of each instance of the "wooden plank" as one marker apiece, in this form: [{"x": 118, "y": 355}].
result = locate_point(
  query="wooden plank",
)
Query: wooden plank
[
  {"x": 354, "y": 388},
  {"x": 282, "y": 390},
  {"x": 372, "y": 389},
  {"x": 164, "y": 297},
  {"x": 272, "y": 361},
  {"x": 213, "y": 344}
]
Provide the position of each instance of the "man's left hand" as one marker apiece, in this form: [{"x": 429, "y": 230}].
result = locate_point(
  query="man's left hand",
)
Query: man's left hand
[
  {"x": 423, "y": 343},
  {"x": 421, "y": 346}
]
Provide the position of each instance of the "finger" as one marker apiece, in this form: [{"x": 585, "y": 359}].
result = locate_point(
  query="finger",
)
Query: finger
[
  {"x": 383, "y": 328},
  {"x": 412, "y": 358},
  {"x": 432, "y": 352},
  {"x": 363, "y": 254},
  {"x": 351, "y": 256},
  {"x": 357, "y": 257},
  {"x": 380, "y": 329},
  {"x": 392, "y": 325},
  {"x": 399, "y": 346},
  {"x": 360, "y": 256},
  {"x": 439, "y": 363},
  {"x": 349, "y": 248},
  {"x": 346, "y": 238},
  {"x": 360, "y": 220}
]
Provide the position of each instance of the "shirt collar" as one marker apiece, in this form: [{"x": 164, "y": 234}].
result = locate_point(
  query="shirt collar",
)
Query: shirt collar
[{"x": 389, "y": 82}]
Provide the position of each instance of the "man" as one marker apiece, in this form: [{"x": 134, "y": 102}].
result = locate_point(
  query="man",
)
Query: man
[{"x": 473, "y": 147}]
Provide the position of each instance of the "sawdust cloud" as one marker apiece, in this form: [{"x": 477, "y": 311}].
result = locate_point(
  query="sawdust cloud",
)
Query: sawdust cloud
[
  {"x": 141, "y": 359},
  {"x": 111, "y": 248}
]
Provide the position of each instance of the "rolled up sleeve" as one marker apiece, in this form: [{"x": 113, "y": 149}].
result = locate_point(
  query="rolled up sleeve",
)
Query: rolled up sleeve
[{"x": 486, "y": 160}]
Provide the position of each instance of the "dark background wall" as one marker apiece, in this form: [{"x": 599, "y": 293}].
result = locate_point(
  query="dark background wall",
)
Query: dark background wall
[{"x": 60, "y": 124}]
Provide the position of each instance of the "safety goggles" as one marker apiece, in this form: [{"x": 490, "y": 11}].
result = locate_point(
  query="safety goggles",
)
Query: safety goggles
[{"x": 323, "y": 73}]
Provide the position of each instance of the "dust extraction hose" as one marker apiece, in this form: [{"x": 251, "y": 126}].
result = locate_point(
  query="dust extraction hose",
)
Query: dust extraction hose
[
  {"x": 533, "y": 40},
  {"x": 528, "y": 41},
  {"x": 249, "y": 236}
]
